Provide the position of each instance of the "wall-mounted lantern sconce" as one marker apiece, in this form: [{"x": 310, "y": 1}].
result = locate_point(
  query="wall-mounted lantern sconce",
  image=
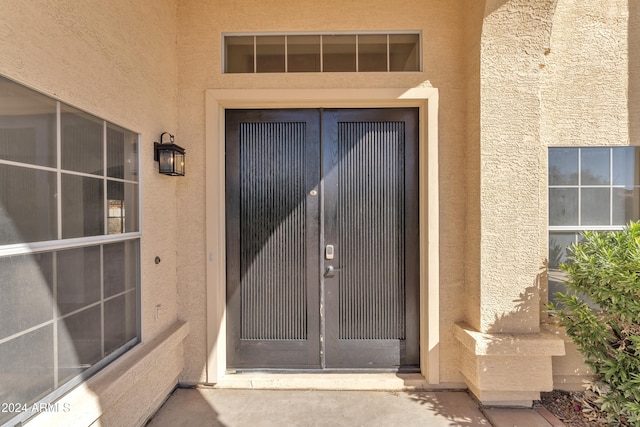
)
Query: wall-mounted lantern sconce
[{"x": 169, "y": 156}]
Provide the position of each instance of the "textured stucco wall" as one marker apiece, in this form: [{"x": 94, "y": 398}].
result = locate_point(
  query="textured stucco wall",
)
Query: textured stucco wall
[
  {"x": 117, "y": 60},
  {"x": 589, "y": 97},
  {"x": 586, "y": 81},
  {"x": 474, "y": 16},
  {"x": 199, "y": 39},
  {"x": 515, "y": 36},
  {"x": 551, "y": 73},
  {"x": 504, "y": 261}
]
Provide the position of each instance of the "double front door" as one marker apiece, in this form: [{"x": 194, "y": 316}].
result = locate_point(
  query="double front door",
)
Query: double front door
[{"x": 322, "y": 239}]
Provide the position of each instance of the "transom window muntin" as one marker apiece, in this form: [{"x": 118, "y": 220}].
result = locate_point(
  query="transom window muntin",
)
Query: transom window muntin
[{"x": 322, "y": 52}]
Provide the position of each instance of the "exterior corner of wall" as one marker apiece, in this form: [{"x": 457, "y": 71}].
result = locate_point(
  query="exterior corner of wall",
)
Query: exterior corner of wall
[
  {"x": 510, "y": 241},
  {"x": 503, "y": 369}
]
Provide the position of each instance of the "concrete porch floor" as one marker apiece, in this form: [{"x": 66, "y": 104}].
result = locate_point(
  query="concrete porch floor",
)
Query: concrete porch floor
[{"x": 240, "y": 408}]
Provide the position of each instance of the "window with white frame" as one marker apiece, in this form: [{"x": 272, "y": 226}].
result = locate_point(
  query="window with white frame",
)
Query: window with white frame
[
  {"x": 321, "y": 52},
  {"x": 590, "y": 188},
  {"x": 69, "y": 247}
]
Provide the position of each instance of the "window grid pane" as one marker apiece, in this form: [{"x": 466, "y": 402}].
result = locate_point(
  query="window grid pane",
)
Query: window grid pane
[
  {"x": 26, "y": 373},
  {"x": 563, "y": 166},
  {"x": 122, "y": 205},
  {"x": 28, "y": 134},
  {"x": 28, "y": 205},
  {"x": 239, "y": 54},
  {"x": 563, "y": 206},
  {"x": 82, "y": 142},
  {"x": 25, "y": 277},
  {"x": 122, "y": 153},
  {"x": 339, "y": 53},
  {"x": 625, "y": 205},
  {"x": 82, "y": 206},
  {"x": 372, "y": 52},
  {"x": 404, "y": 52},
  {"x": 595, "y": 206},
  {"x": 595, "y": 166},
  {"x": 79, "y": 342},
  {"x": 303, "y": 54},
  {"x": 270, "y": 54}
]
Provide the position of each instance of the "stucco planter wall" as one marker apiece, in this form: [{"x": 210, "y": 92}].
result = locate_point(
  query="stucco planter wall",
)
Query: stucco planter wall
[{"x": 507, "y": 369}]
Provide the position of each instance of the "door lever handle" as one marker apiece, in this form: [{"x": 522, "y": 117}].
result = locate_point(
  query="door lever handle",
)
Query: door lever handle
[{"x": 331, "y": 270}]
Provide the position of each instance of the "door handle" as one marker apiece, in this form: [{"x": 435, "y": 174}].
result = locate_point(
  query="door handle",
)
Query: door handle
[{"x": 331, "y": 271}]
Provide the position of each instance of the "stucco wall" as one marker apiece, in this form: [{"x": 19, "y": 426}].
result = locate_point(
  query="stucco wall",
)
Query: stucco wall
[
  {"x": 549, "y": 74},
  {"x": 505, "y": 266},
  {"x": 115, "y": 59},
  {"x": 589, "y": 97},
  {"x": 586, "y": 81},
  {"x": 474, "y": 16},
  {"x": 199, "y": 40},
  {"x": 515, "y": 37}
]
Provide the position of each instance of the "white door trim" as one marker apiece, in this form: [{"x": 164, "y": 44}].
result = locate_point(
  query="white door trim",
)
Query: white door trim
[{"x": 425, "y": 98}]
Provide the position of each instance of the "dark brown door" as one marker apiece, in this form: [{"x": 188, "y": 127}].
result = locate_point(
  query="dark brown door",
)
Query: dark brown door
[{"x": 322, "y": 239}]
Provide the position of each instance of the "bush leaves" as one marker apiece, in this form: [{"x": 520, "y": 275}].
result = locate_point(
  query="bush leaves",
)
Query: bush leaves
[{"x": 601, "y": 312}]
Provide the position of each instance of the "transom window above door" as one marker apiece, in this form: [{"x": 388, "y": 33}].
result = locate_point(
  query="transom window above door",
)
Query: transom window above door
[{"x": 322, "y": 52}]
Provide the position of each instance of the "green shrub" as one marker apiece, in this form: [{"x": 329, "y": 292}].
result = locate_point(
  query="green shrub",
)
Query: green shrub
[{"x": 605, "y": 268}]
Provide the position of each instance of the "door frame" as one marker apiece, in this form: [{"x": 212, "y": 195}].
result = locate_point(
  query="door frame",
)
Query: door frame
[{"x": 217, "y": 100}]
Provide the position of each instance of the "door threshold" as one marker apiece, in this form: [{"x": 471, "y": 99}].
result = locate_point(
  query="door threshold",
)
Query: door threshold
[{"x": 382, "y": 381}]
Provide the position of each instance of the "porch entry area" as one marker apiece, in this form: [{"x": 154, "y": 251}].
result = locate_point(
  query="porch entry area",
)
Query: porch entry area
[{"x": 322, "y": 239}]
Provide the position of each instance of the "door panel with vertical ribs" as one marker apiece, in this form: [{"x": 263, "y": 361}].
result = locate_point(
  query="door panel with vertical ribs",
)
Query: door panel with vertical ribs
[
  {"x": 298, "y": 180},
  {"x": 371, "y": 216},
  {"x": 273, "y": 163}
]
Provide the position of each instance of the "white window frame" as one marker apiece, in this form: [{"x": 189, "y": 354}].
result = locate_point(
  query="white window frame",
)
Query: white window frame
[
  {"x": 52, "y": 246},
  {"x": 555, "y": 274},
  {"x": 579, "y": 227}
]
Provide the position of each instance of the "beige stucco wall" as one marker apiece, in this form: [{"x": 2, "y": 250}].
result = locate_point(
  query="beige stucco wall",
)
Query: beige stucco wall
[
  {"x": 561, "y": 79},
  {"x": 504, "y": 266},
  {"x": 589, "y": 96},
  {"x": 474, "y": 16},
  {"x": 549, "y": 74},
  {"x": 199, "y": 41},
  {"x": 586, "y": 81},
  {"x": 515, "y": 37},
  {"x": 116, "y": 59}
]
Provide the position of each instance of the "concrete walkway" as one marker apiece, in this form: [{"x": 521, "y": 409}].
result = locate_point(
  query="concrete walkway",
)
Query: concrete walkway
[{"x": 249, "y": 408}]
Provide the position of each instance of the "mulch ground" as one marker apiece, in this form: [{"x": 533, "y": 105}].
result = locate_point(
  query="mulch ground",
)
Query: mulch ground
[{"x": 574, "y": 409}]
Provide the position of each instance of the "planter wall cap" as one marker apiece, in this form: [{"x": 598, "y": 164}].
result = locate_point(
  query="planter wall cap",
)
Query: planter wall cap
[{"x": 505, "y": 344}]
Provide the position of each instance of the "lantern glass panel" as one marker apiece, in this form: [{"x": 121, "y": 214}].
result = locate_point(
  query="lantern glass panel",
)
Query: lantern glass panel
[
  {"x": 179, "y": 164},
  {"x": 166, "y": 158}
]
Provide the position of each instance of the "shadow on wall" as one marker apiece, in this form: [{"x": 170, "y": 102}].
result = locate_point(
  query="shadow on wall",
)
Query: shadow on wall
[{"x": 525, "y": 315}]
